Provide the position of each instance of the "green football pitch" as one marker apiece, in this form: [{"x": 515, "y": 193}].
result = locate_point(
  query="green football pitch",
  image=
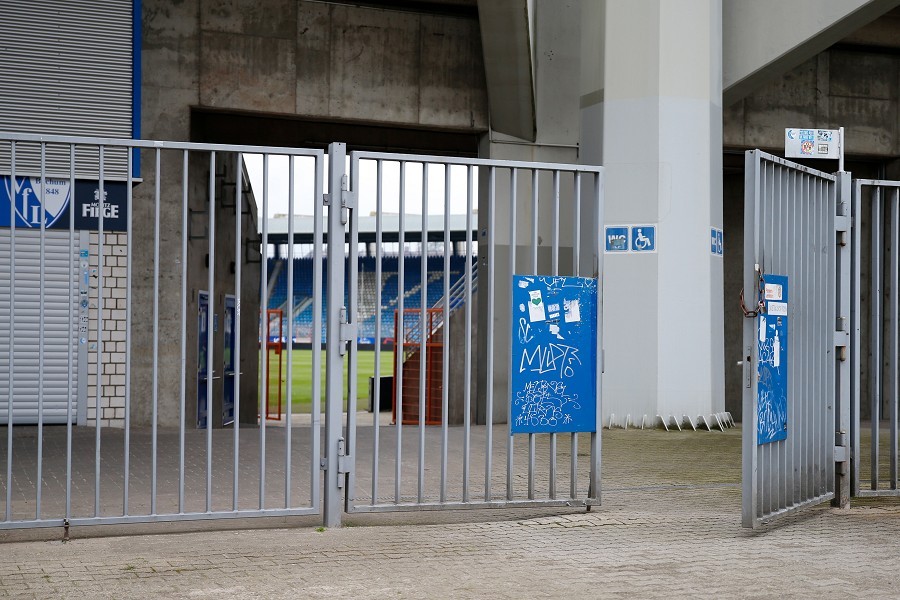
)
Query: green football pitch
[{"x": 302, "y": 377}]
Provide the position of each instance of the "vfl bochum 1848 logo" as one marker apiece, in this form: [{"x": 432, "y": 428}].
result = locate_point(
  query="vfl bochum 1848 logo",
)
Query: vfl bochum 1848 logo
[{"x": 30, "y": 196}]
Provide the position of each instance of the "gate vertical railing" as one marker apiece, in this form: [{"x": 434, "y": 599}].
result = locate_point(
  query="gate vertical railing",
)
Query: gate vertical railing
[
  {"x": 879, "y": 201},
  {"x": 797, "y": 225},
  {"x": 429, "y": 482},
  {"x": 113, "y": 471}
]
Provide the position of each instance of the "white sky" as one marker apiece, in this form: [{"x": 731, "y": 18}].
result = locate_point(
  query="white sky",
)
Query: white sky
[{"x": 304, "y": 186}]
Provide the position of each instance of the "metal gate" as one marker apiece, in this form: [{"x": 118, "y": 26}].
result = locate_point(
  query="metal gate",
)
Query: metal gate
[
  {"x": 454, "y": 467},
  {"x": 163, "y": 225},
  {"x": 796, "y": 286},
  {"x": 878, "y": 260},
  {"x": 154, "y": 241}
]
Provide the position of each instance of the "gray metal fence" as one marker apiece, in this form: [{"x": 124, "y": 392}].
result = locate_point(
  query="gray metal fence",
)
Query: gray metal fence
[
  {"x": 164, "y": 413},
  {"x": 152, "y": 447},
  {"x": 381, "y": 478},
  {"x": 797, "y": 225},
  {"x": 876, "y": 267}
]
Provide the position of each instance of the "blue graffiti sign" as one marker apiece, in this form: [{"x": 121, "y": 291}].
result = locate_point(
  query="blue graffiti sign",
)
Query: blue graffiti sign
[
  {"x": 772, "y": 373},
  {"x": 554, "y": 354}
]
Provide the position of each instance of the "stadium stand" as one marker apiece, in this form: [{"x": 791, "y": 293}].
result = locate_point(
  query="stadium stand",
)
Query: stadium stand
[{"x": 302, "y": 322}]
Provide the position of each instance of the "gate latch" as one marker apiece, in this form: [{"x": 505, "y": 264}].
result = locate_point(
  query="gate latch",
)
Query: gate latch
[{"x": 348, "y": 331}]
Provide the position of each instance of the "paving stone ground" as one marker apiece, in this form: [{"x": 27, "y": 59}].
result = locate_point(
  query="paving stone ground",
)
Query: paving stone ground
[{"x": 669, "y": 527}]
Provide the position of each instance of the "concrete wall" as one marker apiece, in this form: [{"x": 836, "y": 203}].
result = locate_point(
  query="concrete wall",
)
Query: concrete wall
[
  {"x": 275, "y": 57},
  {"x": 341, "y": 61}
]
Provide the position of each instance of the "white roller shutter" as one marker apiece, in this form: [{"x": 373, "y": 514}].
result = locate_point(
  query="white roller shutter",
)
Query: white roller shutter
[
  {"x": 60, "y": 333},
  {"x": 66, "y": 69}
]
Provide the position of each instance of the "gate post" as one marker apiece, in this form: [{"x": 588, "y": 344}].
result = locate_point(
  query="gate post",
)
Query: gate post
[
  {"x": 334, "y": 384},
  {"x": 843, "y": 354}
]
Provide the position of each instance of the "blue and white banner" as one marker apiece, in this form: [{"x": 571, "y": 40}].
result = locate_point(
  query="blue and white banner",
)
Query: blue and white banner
[{"x": 55, "y": 199}]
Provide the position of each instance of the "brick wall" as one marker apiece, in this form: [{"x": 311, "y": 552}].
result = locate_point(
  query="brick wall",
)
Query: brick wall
[{"x": 112, "y": 377}]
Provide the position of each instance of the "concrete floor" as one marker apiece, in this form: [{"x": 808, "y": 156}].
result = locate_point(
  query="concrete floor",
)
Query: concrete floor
[{"x": 669, "y": 526}]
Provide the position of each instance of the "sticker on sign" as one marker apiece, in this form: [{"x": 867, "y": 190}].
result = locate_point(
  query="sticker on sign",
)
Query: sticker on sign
[{"x": 812, "y": 143}]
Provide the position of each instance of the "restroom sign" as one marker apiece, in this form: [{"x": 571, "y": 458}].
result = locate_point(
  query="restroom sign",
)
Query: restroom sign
[
  {"x": 617, "y": 238},
  {"x": 622, "y": 239}
]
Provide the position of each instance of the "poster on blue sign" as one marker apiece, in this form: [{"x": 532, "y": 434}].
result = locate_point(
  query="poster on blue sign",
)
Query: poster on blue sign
[
  {"x": 772, "y": 354},
  {"x": 57, "y": 198},
  {"x": 554, "y": 355}
]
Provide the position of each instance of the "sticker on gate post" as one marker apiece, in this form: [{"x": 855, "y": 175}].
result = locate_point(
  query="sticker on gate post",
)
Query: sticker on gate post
[
  {"x": 554, "y": 355},
  {"x": 772, "y": 368}
]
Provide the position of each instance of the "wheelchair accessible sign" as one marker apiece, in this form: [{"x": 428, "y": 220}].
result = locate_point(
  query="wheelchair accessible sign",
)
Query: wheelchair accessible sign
[{"x": 630, "y": 239}]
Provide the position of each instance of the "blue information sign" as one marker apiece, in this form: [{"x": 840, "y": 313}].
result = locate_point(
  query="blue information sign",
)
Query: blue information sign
[
  {"x": 643, "y": 238},
  {"x": 56, "y": 197},
  {"x": 716, "y": 245},
  {"x": 617, "y": 239},
  {"x": 554, "y": 354},
  {"x": 772, "y": 342}
]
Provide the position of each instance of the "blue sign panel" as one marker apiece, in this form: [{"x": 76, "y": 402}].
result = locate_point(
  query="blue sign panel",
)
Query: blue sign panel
[
  {"x": 617, "y": 239},
  {"x": 55, "y": 196},
  {"x": 554, "y": 354},
  {"x": 772, "y": 342},
  {"x": 643, "y": 238},
  {"x": 716, "y": 242}
]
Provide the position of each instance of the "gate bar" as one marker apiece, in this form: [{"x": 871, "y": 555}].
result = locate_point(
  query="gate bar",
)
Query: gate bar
[
  {"x": 400, "y": 322},
  {"x": 424, "y": 334},
  {"x": 489, "y": 409},
  {"x": 129, "y": 245},
  {"x": 376, "y": 401},
  {"x": 347, "y": 476},
  {"x": 594, "y": 485},
  {"x": 875, "y": 327},
  {"x": 318, "y": 209},
  {"x": 467, "y": 393},
  {"x": 535, "y": 181},
  {"x": 39, "y": 481},
  {"x": 210, "y": 323},
  {"x": 182, "y": 416},
  {"x": 264, "y": 303},
  {"x": 334, "y": 386},
  {"x": 98, "y": 382},
  {"x": 238, "y": 262},
  {"x": 290, "y": 339},
  {"x": 513, "y": 177},
  {"x": 555, "y": 270},
  {"x": 445, "y": 329},
  {"x": 576, "y": 270},
  {"x": 895, "y": 333},
  {"x": 12, "y": 334},
  {"x": 155, "y": 410},
  {"x": 71, "y": 325}
]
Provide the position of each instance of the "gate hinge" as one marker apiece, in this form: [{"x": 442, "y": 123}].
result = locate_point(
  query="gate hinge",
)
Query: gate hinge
[
  {"x": 841, "y": 453},
  {"x": 842, "y": 226},
  {"x": 349, "y": 200},
  {"x": 348, "y": 330},
  {"x": 344, "y": 461},
  {"x": 842, "y": 338}
]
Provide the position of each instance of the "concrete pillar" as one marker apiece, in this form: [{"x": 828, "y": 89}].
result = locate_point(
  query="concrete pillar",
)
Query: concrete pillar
[{"x": 658, "y": 113}]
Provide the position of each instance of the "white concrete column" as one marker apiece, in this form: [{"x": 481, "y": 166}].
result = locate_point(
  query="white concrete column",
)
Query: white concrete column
[{"x": 661, "y": 131}]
